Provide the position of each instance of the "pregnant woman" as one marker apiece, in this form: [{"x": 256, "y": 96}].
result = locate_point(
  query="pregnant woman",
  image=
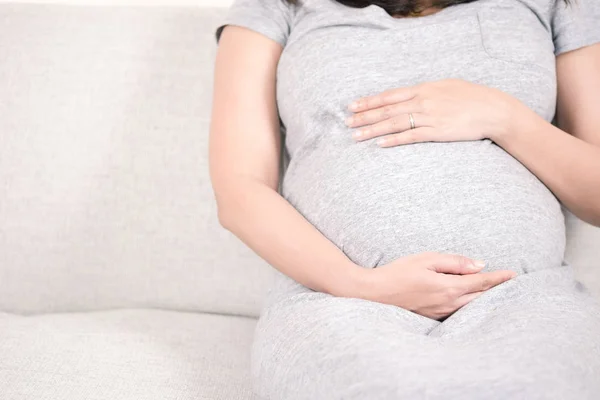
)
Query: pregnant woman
[{"x": 417, "y": 235}]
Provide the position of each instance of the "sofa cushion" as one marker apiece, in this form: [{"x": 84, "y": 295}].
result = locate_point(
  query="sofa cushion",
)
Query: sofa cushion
[
  {"x": 105, "y": 198},
  {"x": 128, "y": 354}
]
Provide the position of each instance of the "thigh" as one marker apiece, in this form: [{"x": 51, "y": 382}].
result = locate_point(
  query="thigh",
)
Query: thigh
[
  {"x": 541, "y": 332},
  {"x": 535, "y": 337},
  {"x": 549, "y": 301},
  {"x": 310, "y": 345}
]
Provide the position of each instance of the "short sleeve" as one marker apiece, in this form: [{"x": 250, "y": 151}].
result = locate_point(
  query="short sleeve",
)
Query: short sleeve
[
  {"x": 575, "y": 25},
  {"x": 271, "y": 18}
]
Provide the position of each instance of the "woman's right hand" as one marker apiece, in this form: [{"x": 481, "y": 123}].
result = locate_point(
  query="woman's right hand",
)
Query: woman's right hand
[{"x": 431, "y": 284}]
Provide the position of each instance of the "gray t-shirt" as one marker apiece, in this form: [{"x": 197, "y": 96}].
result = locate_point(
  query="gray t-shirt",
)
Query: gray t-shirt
[{"x": 470, "y": 198}]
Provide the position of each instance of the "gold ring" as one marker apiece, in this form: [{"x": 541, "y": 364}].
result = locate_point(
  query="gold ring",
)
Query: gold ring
[{"x": 412, "y": 121}]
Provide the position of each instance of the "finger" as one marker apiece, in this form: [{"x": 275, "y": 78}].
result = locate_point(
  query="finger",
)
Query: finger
[
  {"x": 382, "y": 113},
  {"x": 411, "y": 136},
  {"x": 466, "y": 299},
  {"x": 383, "y": 99},
  {"x": 454, "y": 264},
  {"x": 484, "y": 281},
  {"x": 397, "y": 124}
]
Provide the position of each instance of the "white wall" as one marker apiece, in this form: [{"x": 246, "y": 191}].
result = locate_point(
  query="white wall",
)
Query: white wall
[{"x": 217, "y": 3}]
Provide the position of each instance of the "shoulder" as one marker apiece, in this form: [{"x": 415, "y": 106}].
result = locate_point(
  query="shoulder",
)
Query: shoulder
[{"x": 271, "y": 18}]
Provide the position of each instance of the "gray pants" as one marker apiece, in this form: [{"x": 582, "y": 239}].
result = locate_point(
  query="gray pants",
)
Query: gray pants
[{"x": 535, "y": 337}]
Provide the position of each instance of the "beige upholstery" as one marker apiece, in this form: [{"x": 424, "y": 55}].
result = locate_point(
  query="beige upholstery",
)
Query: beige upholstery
[
  {"x": 105, "y": 203},
  {"x": 128, "y": 354},
  {"x": 105, "y": 199},
  {"x": 583, "y": 251}
]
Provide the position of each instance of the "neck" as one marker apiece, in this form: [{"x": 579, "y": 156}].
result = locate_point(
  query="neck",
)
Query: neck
[{"x": 422, "y": 11}]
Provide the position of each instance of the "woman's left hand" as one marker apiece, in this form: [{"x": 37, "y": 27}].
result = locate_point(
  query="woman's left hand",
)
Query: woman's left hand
[{"x": 442, "y": 111}]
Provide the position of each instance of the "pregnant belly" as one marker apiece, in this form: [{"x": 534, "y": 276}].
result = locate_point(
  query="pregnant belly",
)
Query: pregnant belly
[{"x": 469, "y": 198}]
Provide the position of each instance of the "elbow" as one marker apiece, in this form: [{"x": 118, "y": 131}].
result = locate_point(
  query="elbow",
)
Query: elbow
[
  {"x": 592, "y": 216},
  {"x": 586, "y": 206},
  {"x": 224, "y": 216},
  {"x": 595, "y": 220},
  {"x": 228, "y": 210},
  {"x": 222, "y": 196}
]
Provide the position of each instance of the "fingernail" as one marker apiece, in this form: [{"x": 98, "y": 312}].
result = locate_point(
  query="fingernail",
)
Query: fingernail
[
  {"x": 354, "y": 106},
  {"x": 357, "y": 134},
  {"x": 381, "y": 141},
  {"x": 478, "y": 264},
  {"x": 349, "y": 121}
]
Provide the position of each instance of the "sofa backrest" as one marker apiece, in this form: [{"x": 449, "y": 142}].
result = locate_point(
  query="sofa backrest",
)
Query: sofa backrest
[{"x": 105, "y": 199}]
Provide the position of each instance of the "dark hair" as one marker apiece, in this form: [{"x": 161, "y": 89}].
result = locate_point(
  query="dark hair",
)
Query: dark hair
[{"x": 401, "y": 7}]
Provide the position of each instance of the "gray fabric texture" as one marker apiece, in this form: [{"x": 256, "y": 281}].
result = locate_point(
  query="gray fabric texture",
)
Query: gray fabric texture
[
  {"x": 536, "y": 337},
  {"x": 125, "y": 355}
]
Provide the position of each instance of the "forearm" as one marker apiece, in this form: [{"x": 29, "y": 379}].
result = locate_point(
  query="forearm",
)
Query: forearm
[
  {"x": 568, "y": 166},
  {"x": 277, "y": 232}
]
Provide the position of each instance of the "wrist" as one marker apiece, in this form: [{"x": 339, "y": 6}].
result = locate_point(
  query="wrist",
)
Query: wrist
[
  {"x": 519, "y": 119},
  {"x": 353, "y": 281}
]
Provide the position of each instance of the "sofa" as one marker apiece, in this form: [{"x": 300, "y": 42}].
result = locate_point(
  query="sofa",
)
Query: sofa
[{"x": 116, "y": 279}]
